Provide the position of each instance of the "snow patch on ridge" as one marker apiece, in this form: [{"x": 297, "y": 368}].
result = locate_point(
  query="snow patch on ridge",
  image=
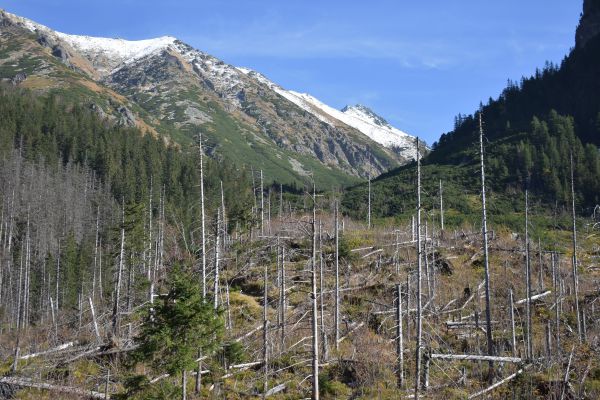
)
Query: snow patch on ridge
[
  {"x": 119, "y": 50},
  {"x": 358, "y": 117}
]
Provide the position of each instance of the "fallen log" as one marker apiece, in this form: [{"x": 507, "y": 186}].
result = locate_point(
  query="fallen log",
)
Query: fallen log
[
  {"x": 476, "y": 357},
  {"x": 275, "y": 390},
  {"x": 495, "y": 385},
  {"x": 49, "y": 351},
  {"x": 23, "y": 382},
  {"x": 536, "y": 297}
]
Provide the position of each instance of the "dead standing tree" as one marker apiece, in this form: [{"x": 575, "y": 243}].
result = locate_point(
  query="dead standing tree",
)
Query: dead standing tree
[
  {"x": 315, "y": 323},
  {"x": 419, "y": 267},
  {"x": 580, "y": 333},
  {"x": 484, "y": 232}
]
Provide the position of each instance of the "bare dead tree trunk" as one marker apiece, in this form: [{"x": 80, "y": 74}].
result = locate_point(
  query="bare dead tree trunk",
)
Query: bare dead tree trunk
[
  {"x": 229, "y": 322},
  {"x": 224, "y": 218},
  {"x": 426, "y": 258},
  {"x": 202, "y": 217},
  {"x": 217, "y": 259},
  {"x": 399, "y": 342},
  {"x": 419, "y": 257},
  {"x": 580, "y": 334},
  {"x": 150, "y": 264},
  {"x": 488, "y": 312},
  {"x": 96, "y": 252},
  {"x": 265, "y": 332},
  {"x": 324, "y": 346},
  {"x": 528, "y": 281},
  {"x": 282, "y": 298},
  {"x": 441, "y": 207},
  {"x": 94, "y": 321},
  {"x": 57, "y": 278},
  {"x": 262, "y": 205},
  {"x": 269, "y": 210},
  {"x": 280, "y": 201},
  {"x": 541, "y": 270},
  {"x": 315, "y": 313},
  {"x": 369, "y": 204},
  {"x": 556, "y": 287},
  {"x": 336, "y": 321},
  {"x": 115, "y": 314},
  {"x": 512, "y": 324}
]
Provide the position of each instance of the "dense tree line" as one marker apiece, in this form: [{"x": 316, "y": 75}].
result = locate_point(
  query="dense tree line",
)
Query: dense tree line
[
  {"x": 130, "y": 164},
  {"x": 538, "y": 159}
]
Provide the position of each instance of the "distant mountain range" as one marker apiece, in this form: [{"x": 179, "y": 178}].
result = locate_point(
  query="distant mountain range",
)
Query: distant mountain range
[{"x": 169, "y": 89}]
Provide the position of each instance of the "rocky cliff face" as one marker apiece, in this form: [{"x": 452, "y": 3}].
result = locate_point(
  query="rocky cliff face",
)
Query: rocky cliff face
[{"x": 589, "y": 25}]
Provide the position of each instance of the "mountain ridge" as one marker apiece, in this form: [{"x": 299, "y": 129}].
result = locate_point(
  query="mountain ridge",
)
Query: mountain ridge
[{"x": 177, "y": 91}]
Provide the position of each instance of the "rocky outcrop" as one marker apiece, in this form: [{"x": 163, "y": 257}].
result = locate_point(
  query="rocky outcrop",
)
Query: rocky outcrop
[
  {"x": 18, "y": 78},
  {"x": 589, "y": 24},
  {"x": 127, "y": 117}
]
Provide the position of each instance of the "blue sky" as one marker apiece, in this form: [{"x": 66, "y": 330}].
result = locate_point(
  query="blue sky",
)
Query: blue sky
[{"x": 416, "y": 63}]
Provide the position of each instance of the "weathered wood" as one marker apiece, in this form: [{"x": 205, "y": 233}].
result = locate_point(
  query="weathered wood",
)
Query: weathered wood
[
  {"x": 495, "y": 385},
  {"x": 336, "y": 322},
  {"x": 528, "y": 324},
  {"x": 574, "y": 257},
  {"x": 203, "y": 217},
  {"x": 535, "y": 297},
  {"x": 419, "y": 326},
  {"x": 23, "y": 382},
  {"x": 95, "y": 322},
  {"x": 49, "y": 351},
  {"x": 399, "y": 342},
  {"x": 315, "y": 323},
  {"x": 486, "y": 267},
  {"x": 475, "y": 357},
  {"x": 512, "y": 324},
  {"x": 275, "y": 390}
]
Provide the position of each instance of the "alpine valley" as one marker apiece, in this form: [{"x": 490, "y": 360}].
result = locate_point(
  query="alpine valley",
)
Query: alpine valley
[{"x": 171, "y": 90}]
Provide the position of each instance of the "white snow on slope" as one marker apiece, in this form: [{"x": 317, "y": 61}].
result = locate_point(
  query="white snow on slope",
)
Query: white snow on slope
[
  {"x": 358, "y": 117},
  {"x": 113, "y": 54},
  {"x": 119, "y": 50},
  {"x": 116, "y": 51}
]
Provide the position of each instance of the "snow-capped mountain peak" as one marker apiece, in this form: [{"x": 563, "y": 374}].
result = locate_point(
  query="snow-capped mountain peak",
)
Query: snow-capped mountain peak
[
  {"x": 358, "y": 117},
  {"x": 365, "y": 113},
  {"x": 119, "y": 50}
]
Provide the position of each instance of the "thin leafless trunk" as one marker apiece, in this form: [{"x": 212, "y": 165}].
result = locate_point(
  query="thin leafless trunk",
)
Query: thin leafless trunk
[
  {"x": 265, "y": 332},
  {"x": 441, "y": 206},
  {"x": 419, "y": 257},
  {"x": 336, "y": 321},
  {"x": 202, "y": 218},
  {"x": 262, "y": 205},
  {"x": 282, "y": 298},
  {"x": 324, "y": 346},
  {"x": 512, "y": 324},
  {"x": 315, "y": 316},
  {"x": 556, "y": 287},
  {"x": 217, "y": 259},
  {"x": 527, "y": 281},
  {"x": 399, "y": 342},
  {"x": 115, "y": 314},
  {"x": 580, "y": 334},
  {"x": 369, "y": 204},
  {"x": 488, "y": 312},
  {"x": 94, "y": 321}
]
